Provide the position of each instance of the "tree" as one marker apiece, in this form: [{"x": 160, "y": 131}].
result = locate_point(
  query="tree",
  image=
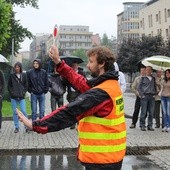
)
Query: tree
[
  {"x": 81, "y": 53},
  {"x": 132, "y": 51},
  {"x": 17, "y": 31},
  {"x": 5, "y": 26}
]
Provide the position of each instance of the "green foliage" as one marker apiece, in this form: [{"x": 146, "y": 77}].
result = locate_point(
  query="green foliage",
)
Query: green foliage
[
  {"x": 16, "y": 30},
  {"x": 82, "y": 54},
  {"x": 106, "y": 41},
  {"x": 23, "y": 3},
  {"x": 7, "y": 109},
  {"x": 132, "y": 51},
  {"x": 5, "y": 26}
]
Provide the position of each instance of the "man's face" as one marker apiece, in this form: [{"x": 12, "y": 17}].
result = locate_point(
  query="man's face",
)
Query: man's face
[
  {"x": 17, "y": 69},
  {"x": 142, "y": 71},
  {"x": 36, "y": 65},
  {"x": 148, "y": 71},
  {"x": 159, "y": 73},
  {"x": 75, "y": 66},
  {"x": 93, "y": 66}
]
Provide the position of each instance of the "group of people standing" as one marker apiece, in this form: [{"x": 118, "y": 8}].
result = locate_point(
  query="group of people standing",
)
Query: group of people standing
[
  {"x": 152, "y": 98},
  {"x": 37, "y": 82}
]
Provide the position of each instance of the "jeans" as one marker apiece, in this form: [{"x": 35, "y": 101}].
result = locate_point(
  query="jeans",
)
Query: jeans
[
  {"x": 136, "y": 110},
  {"x": 56, "y": 100},
  {"x": 40, "y": 98},
  {"x": 147, "y": 107},
  {"x": 165, "y": 101},
  {"x": 0, "y": 112},
  {"x": 22, "y": 105}
]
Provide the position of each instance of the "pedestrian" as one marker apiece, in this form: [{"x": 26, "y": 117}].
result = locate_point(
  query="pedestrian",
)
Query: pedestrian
[
  {"x": 2, "y": 88},
  {"x": 122, "y": 80},
  {"x": 99, "y": 109},
  {"x": 38, "y": 86},
  {"x": 72, "y": 92},
  {"x": 147, "y": 92},
  {"x": 17, "y": 87},
  {"x": 134, "y": 86},
  {"x": 158, "y": 79},
  {"x": 57, "y": 89},
  {"x": 165, "y": 101}
]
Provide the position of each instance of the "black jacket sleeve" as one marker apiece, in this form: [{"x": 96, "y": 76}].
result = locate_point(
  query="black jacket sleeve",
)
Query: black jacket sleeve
[{"x": 90, "y": 101}]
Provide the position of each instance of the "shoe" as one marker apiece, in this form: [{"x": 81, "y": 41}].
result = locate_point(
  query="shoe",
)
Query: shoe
[
  {"x": 150, "y": 129},
  {"x": 164, "y": 129},
  {"x": 27, "y": 131},
  {"x": 0, "y": 130},
  {"x": 16, "y": 130},
  {"x": 132, "y": 126},
  {"x": 72, "y": 127},
  {"x": 168, "y": 129},
  {"x": 143, "y": 129},
  {"x": 157, "y": 126}
]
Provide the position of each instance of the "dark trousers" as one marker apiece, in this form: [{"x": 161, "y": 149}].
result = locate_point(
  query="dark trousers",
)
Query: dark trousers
[
  {"x": 114, "y": 166},
  {"x": 0, "y": 112},
  {"x": 158, "y": 109},
  {"x": 136, "y": 110},
  {"x": 56, "y": 100}
]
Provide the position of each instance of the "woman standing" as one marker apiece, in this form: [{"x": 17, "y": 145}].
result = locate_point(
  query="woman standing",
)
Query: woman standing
[
  {"x": 17, "y": 87},
  {"x": 165, "y": 101}
]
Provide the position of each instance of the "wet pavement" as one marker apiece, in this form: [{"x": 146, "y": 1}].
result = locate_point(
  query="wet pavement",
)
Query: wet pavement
[
  {"x": 66, "y": 162},
  {"x": 145, "y": 146}
]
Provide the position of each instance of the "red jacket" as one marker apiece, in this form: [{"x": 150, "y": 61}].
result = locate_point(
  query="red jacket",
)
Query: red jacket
[{"x": 91, "y": 102}]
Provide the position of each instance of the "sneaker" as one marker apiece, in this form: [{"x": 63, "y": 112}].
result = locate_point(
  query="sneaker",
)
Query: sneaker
[
  {"x": 132, "y": 126},
  {"x": 150, "y": 129},
  {"x": 164, "y": 129},
  {"x": 143, "y": 129},
  {"x": 168, "y": 129},
  {"x": 16, "y": 130},
  {"x": 27, "y": 131}
]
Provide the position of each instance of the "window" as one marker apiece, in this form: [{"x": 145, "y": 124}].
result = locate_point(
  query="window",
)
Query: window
[{"x": 156, "y": 17}]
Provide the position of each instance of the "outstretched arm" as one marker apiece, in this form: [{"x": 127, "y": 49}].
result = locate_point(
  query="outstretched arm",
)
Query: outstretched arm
[{"x": 24, "y": 119}]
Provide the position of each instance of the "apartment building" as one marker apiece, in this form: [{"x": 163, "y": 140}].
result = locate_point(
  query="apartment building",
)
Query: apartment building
[
  {"x": 155, "y": 18},
  {"x": 128, "y": 21},
  {"x": 38, "y": 47},
  {"x": 73, "y": 37}
]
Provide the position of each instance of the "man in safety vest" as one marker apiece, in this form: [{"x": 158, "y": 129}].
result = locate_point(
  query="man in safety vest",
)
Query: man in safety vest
[{"x": 99, "y": 111}]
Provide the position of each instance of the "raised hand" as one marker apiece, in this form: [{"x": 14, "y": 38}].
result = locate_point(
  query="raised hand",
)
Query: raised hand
[
  {"x": 54, "y": 54},
  {"x": 24, "y": 119}
]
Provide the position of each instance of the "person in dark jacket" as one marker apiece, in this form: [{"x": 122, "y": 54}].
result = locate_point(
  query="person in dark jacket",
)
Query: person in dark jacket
[
  {"x": 2, "y": 88},
  {"x": 17, "y": 87},
  {"x": 57, "y": 90},
  {"x": 147, "y": 91},
  {"x": 38, "y": 86},
  {"x": 99, "y": 111},
  {"x": 72, "y": 92}
]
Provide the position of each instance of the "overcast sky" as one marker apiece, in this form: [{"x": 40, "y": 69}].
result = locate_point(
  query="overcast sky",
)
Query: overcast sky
[{"x": 99, "y": 15}]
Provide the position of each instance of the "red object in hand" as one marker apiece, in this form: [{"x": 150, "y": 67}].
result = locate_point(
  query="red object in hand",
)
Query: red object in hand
[{"x": 55, "y": 31}]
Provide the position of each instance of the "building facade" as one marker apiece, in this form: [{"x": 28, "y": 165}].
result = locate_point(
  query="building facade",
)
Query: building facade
[
  {"x": 128, "y": 21},
  {"x": 73, "y": 37},
  {"x": 155, "y": 19},
  {"x": 38, "y": 47}
]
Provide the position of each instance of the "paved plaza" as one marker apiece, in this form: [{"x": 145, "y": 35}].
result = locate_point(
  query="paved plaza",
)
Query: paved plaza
[{"x": 155, "y": 143}]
